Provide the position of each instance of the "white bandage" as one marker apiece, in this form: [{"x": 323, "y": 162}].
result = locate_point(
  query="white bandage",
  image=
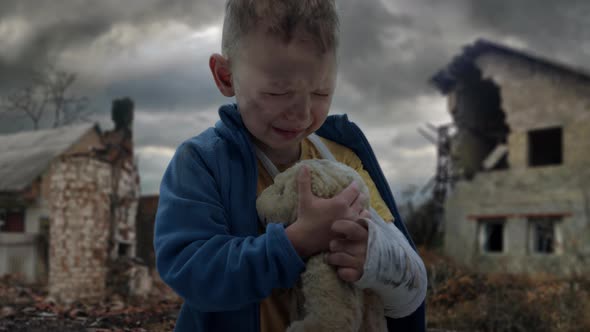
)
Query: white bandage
[{"x": 393, "y": 269}]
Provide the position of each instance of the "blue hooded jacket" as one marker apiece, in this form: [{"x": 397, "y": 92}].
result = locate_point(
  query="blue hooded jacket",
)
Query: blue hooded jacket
[{"x": 206, "y": 239}]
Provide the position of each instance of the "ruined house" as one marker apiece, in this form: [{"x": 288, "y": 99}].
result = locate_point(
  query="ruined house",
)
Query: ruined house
[
  {"x": 68, "y": 202},
  {"x": 520, "y": 199}
]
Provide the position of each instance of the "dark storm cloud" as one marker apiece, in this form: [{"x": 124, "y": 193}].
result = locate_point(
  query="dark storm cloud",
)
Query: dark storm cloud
[
  {"x": 56, "y": 26},
  {"x": 50, "y": 29},
  {"x": 555, "y": 29},
  {"x": 178, "y": 90},
  {"x": 381, "y": 52},
  {"x": 69, "y": 21}
]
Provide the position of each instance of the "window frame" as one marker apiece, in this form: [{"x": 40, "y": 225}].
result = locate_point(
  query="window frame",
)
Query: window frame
[
  {"x": 532, "y": 236},
  {"x": 483, "y": 225},
  {"x": 5, "y": 213}
]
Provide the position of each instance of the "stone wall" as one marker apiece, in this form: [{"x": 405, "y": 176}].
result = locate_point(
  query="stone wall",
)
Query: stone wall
[
  {"x": 80, "y": 191},
  {"x": 533, "y": 97}
]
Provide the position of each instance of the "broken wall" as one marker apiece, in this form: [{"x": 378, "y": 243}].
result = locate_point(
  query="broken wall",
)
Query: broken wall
[
  {"x": 146, "y": 216},
  {"x": 124, "y": 212}
]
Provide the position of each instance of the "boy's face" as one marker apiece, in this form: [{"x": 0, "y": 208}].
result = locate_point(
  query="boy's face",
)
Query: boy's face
[{"x": 283, "y": 91}]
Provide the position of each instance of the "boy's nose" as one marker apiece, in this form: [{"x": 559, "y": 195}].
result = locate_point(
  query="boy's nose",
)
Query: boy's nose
[{"x": 299, "y": 110}]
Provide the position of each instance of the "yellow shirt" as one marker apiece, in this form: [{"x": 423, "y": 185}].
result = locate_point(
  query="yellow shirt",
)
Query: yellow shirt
[{"x": 274, "y": 310}]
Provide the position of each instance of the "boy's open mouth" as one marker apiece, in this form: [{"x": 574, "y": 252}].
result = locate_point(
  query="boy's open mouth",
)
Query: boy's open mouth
[{"x": 287, "y": 134}]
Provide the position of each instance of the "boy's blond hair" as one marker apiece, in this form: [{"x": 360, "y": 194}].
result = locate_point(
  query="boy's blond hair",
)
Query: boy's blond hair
[{"x": 317, "y": 17}]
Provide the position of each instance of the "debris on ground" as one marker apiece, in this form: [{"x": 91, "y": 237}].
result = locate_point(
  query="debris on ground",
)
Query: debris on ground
[{"x": 27, "y": 308}]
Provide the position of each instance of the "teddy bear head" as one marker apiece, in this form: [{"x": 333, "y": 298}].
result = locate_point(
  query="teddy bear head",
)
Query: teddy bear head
[{"x": 278, "y": 203}]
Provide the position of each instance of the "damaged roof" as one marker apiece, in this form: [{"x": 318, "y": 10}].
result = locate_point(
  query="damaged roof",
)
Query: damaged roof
[
  {"x": 446, "y": 78},
  {"x": 26, "y": 155}
]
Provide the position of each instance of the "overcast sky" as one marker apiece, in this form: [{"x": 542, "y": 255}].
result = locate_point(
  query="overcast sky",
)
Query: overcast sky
[{"x": 156, "y": 52}]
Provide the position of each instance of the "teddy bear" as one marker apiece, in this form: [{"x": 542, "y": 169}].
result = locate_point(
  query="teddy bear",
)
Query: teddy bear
[{"x": 321, "y": 301}]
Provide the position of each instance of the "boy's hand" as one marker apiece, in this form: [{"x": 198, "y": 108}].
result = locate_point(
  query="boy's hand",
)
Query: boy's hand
[
  {"x": 312, "y": 232},
  {"x": 348, "y": 253}
]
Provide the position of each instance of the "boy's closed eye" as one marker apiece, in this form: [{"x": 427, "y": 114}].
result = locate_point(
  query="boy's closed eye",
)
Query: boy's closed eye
[
  {"x": 276, "y": 94},
  {"x": 320, "y": 94},
  {"x": 283, "y": 94}
]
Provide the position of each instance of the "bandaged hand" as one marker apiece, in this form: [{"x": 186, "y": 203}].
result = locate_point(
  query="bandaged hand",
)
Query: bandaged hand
[{"x": 393, "y": 269}]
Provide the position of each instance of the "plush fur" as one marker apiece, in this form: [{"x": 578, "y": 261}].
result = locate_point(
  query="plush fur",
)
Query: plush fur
[{"x": 321, "y": 300}]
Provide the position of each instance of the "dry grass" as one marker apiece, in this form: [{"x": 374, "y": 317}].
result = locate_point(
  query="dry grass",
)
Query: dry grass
[{"x": 460, "y": 299}]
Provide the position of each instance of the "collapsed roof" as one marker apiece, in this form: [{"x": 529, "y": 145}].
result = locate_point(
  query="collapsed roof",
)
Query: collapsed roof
[
  {"x": 462, "y": 64},
  {"x": 26, "y": 155}
]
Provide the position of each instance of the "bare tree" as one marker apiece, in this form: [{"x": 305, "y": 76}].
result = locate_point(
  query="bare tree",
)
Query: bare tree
[{"x": 47, "y": 95}]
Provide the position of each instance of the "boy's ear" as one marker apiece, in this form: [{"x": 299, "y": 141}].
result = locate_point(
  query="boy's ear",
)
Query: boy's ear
[{"x": 222, "y": 75}]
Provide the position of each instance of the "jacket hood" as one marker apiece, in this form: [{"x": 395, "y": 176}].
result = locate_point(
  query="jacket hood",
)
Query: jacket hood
[{"x": 230, "y": 123}]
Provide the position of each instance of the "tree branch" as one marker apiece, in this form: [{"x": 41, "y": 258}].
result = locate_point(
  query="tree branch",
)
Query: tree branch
[{"x": 46, "y": 96}]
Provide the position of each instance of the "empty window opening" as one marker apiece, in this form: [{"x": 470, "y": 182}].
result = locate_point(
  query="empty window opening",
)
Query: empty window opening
[
  {"x": 12, "y": 221},
  {"x": 491, "y": 235},
  {"x": 545, "y": 147},
  {"x": 544, "y": 235},
  {"x": 124, "y": 249}
]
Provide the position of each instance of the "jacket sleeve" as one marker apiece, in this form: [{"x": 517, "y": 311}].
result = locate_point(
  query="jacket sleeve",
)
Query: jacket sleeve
[{"x": 196, "y": 254}]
